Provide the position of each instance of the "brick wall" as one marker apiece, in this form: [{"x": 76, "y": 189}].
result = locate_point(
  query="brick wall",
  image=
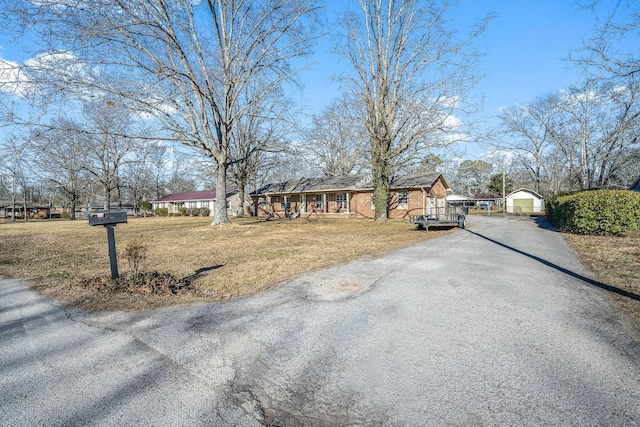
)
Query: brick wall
[{"x": 360, "y": 203}]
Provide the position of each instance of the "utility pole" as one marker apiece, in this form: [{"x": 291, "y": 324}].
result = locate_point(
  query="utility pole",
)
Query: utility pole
[{"x": 504, "y": 185}]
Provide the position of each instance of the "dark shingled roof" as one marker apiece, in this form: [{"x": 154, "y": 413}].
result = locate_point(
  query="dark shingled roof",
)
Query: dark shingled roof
[
  {"x": 20, "y": 204},
  {"x": 347, "y": 183},
  {"x": 192, "y": 195}
]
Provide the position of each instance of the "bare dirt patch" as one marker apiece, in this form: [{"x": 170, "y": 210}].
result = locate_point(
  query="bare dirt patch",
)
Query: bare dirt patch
[{"x": 220, "y": 263}]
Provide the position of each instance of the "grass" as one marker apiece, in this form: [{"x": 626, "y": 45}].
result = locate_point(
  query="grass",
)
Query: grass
[
  {"x": 615, "y": 261},
  {"x": 246, "y": 257}
]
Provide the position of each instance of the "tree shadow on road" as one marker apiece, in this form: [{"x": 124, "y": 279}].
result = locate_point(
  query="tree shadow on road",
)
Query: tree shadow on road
[{"x": 568, "y": 272}]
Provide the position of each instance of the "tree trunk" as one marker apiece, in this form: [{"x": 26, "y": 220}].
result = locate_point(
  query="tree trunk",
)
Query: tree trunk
[
  {"x": 72, "y": 214},
  {"x": 380, "y": 189},
  {"x": 13, "y": 207},
  {"x": 220, "y": 216},
  {"x": 107, "y": 197},
  {"x": 25, "y": 206},
  {"x": 242, "y": 182}
]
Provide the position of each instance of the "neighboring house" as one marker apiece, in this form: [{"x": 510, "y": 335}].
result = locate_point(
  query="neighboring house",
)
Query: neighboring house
[
  {"x": 636, "y": 185},
  {"x": 197, "y": 199},
  {"x": 34, "y": 210},
  {"x": 524, "y": 201},
  {"x": 131, "y": 210},
  {"x": 460, "y": 200},
  {"x": 351, "y": 196}
]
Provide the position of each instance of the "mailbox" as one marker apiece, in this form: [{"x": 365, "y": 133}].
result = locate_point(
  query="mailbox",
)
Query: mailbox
[
  {"x": 106, "y": 217},
  {"x": 109, "y": 219}
]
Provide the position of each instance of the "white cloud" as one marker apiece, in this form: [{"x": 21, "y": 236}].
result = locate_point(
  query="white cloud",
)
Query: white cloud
[
  {"x": 18, "y": 79},
  {"x": 61, "y": 62},
  {"x": 13, "y": 78},
  {"x": 498, "y": 157},
  {"x": 452, "y": 122}
]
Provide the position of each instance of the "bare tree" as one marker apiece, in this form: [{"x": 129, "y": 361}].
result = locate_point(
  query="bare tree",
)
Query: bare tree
[
  {"x": 103, "y": 129},
  {"x": 184, "y": 62},
  {"x": 531, "y": 130},
  {"x": 60, "y": 156},
  {"x": 606, "y": 54},
  {"x": 410, "y": 72},
  {"x": 14, "y": 168},
  {"x": 336, "y": 139},
  {"x": 264, "y": 128},
  {"x": 473, "y": 176},
  {"x": 139, "y": 175},
  {"x": 602, "y": 122},
  {"x": 156, "y": 162},
  {"x": 181, "y": 173}
]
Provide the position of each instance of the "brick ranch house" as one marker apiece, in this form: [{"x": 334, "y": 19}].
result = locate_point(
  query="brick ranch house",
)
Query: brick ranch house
[
  {"x": 34, "y": 210},
  {"x": 197, "y": 199},
  {"x": 351, "y": 196}
]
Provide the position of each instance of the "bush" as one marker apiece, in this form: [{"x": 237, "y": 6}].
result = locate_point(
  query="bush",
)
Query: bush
[
  {"x": 182, "y": 211},
  {"x": 601, "y": 212},
  {"x": 161, "y": 212},
  {"x": 136, "y": 254},
  {"x": 194, "y": 212},
  {"x": 204, "y": 211}
]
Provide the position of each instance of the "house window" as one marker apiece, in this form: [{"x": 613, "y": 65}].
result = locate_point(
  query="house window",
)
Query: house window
[
  {"x": 341, "y": 201},
  {"x": 192, "y": 204},
  {"x": 319, "y": 201},
  {"x": 286, "y": 203},
  {"x": 403, "y": 199}
]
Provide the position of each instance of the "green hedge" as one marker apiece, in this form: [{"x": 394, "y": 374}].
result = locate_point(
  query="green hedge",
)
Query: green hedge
[
  {"x": 610, "y": 212},
  {"x": 161, "y": 212}
]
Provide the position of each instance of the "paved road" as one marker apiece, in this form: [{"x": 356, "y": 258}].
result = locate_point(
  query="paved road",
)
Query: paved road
[{"x": 495, "y": 325}]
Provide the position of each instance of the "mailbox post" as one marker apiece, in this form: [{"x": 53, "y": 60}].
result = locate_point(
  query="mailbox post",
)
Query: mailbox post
[{"x": 109, "y": 219}]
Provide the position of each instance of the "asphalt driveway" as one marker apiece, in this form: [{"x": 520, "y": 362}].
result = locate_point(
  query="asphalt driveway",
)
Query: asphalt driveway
[{"x": 499, "y": 324}]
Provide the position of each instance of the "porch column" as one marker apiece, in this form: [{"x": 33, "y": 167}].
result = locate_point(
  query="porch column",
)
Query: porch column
[
  {"x": 325, "y": 199},
  {"x": 348, "y": 203}
]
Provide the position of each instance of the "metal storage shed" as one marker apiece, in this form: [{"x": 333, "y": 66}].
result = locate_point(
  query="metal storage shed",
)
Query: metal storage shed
[{"x": 524, "y": 201}]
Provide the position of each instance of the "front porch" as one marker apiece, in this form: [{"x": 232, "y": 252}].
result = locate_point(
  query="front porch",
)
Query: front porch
[{"x": 322, "y": 205}]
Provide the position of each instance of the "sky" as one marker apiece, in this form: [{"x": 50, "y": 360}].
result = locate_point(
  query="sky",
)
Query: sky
[{"x": 526, "y": 47}]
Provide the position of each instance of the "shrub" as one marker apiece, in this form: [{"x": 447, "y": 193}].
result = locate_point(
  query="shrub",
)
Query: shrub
[
  {"x": 145, "y": 205},
  {"x": 204, "y": 211},
  {"x": 161, "y": 212},
  {"x": 182, "y": 211},
  {"x": 136, "y": 253},
  {"x": 194, "y": 212},
  {"x": 601, "y": 212}
]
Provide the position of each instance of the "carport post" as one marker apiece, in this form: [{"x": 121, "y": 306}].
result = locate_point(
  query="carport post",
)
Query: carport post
[{"x": 113, "y": 259}]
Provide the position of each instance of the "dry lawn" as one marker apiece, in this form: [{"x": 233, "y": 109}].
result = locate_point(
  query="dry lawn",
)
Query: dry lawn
[
  {"x": 615, "y": 261},
  {"x": 246, "y": 257}
]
